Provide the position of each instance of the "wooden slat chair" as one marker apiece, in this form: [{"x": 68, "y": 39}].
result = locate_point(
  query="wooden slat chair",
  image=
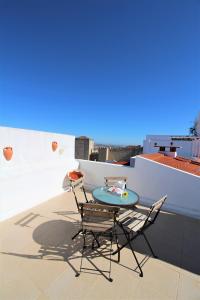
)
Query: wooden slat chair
[
  {"x": 98, "y": 220},
  {"x": 75, "y": 185},
  {"x": 112, "y": 180},
  {"x": 134, "y": 223},
  {"x": 78, "y": 185}
]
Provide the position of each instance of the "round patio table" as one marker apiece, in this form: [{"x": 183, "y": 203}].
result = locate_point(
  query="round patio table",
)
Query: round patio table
[{"x": 103, "y": 196}]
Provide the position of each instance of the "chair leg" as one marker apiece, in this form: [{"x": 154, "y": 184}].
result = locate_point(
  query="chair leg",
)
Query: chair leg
[
  {"x": 82, "y": 256},
  {"x": 74, "y": 236},
  {"x": 118, "y": 249},
  {"x": 129, "y": 242},
  {"x": 96, "y": 240},
  {"x": 86, "y": 199},
  {"x": 84, "y": 234},
  {"x": 149, "y": 245},
  {"x": 111, "y": 240},
  {"x": 78, "y": 273}
]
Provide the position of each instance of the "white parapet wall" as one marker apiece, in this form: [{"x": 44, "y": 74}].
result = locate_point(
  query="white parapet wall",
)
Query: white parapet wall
[
  {"x": 36, "y": 172},
  {"x": 151, "y": 181},
  {"x": 183, "y": 189}
]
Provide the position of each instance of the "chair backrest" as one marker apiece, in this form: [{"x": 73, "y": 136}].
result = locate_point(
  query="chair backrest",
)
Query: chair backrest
[
  {"x": 78, "y": 184},
  {"x": 112, "y": 180},
  {"x": 154, "y": 211},
  {"x": 98, "y": 211}
]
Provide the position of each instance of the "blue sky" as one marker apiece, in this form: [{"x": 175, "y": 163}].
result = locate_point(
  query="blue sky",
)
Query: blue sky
[{"x": 112, "y": 70}]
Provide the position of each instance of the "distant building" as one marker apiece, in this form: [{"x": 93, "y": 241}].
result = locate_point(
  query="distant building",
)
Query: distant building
[
  {"x": 118, "y": 153},
  {"x": 84, "y": 146},
  {"x": 103, "y": 153},
  {"x": 186, "y": 146}
]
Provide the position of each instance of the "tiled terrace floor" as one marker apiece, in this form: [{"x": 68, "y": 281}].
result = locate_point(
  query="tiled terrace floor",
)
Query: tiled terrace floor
[{"x": 38, "y": 259}]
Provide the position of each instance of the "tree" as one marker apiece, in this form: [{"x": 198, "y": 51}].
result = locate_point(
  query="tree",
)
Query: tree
[{"x": 195, "y": 129}]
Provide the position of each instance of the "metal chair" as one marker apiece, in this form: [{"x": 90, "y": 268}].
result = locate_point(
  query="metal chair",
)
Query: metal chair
[
  {"x": 78, "y": 184},
  {"x": 134, "y": 224},
  {"x": 98, "y": 220}
]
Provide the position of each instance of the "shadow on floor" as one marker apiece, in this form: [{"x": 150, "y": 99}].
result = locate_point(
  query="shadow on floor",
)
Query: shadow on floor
[
  {"x": 55, "y": 240},
  {"x": 174, "y": 238},
  {"x": 26, "y": 220}
]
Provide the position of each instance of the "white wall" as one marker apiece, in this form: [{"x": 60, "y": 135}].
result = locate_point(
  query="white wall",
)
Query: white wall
[
  {"x": 151, "y": 180},
  {"x": 183, "y": 189},
  {"x": 35, "y": 173},
  {"x": 196, "y": 149}
]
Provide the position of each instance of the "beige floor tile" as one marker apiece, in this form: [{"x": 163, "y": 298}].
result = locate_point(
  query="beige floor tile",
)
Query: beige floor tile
[
  {"x": 149, "y": 293},
  {"x": 42, "y": 296},
  {"x": 44, "y": 272},
  {"x": 188, "y": 288},
  {"x": 16, "y": 238},
  {"x": 190, "y": 275},
  {"x": 67, "y": 286},
  {"x": 123, "y": 286},
  {"x": 160, "y": 278},
  {"x": 16, "y": 284}
]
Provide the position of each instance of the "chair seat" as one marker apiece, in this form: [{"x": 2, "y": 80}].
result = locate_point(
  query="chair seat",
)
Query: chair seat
[
  {"x": 99, "y": 224},
  {"x": 132, "y": 220}
]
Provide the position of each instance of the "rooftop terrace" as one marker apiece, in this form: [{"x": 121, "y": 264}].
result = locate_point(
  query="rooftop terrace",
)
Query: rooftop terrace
[{"x": 38, "y": 258}]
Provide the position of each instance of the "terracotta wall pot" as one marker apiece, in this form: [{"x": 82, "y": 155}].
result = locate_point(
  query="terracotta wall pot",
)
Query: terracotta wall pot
[
  {"x": 75, "y": 175},
  {"x": 54, "y": 146},
  {"x": 8, "y": 153}
]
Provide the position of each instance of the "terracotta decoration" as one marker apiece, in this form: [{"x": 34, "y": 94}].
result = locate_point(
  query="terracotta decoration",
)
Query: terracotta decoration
[
  {"x": 8, "y": 153},
  {"x": 54, "y": 146},
  {"x": 75, "y": 175}
]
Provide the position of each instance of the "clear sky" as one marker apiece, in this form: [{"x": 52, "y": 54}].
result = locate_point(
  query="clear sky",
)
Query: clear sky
[{"x": 112, "y": 70}]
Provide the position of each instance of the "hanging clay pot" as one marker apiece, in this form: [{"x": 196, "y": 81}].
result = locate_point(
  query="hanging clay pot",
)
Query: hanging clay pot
[
  {"x": 75, "y": 175},
  {"x": 54, "y": 146},
  {"x": 8, "y": 153}
]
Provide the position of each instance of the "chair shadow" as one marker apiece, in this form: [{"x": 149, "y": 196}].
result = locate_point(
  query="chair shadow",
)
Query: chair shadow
[
  {"x": 174, "y": 238},
  {"x": 26, "y": 220},
  {"x": 55, "y": 242},
  {"x": 54, "y": 238},
  {"x": 67, "y": 214}
]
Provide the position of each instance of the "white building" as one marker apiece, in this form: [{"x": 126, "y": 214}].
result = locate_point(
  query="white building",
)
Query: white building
[{"x": 186, "y": 146}]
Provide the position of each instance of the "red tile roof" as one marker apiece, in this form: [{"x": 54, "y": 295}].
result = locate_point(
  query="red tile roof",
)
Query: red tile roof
[{"x": 180, "y": 163}]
